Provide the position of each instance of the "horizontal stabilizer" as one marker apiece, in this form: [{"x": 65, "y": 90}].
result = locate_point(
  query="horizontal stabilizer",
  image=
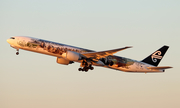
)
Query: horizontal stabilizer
[{"x": 160, "y": 68}]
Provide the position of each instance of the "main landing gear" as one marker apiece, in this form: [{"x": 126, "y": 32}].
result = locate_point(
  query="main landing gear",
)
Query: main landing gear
[
  {"x": 86, "y": 69},
  {"x": 86, "y": 66}
]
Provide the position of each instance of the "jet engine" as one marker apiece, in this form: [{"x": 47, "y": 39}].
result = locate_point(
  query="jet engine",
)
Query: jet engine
[
  {"x": 71, "y": 56},
  {"x": 63, "y": 61}
]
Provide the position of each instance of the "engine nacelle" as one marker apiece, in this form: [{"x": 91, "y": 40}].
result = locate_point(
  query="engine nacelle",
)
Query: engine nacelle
[
  {"x": 63, "y": 61},
  {"x": 71, "y": 56}
]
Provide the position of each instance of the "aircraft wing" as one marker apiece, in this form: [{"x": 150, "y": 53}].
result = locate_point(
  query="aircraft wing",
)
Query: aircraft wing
[{"x": 101, "y": 54}]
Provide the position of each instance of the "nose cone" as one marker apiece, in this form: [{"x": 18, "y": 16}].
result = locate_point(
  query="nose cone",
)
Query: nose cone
[{"x": 9, "y": 41}]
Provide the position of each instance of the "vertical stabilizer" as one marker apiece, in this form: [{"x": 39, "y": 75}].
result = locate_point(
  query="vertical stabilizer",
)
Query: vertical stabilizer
[{"x": 155, "y": 58}]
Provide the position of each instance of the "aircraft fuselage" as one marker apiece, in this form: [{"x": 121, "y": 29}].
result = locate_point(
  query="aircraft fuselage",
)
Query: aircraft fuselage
[{"x": 57, "y": 50}]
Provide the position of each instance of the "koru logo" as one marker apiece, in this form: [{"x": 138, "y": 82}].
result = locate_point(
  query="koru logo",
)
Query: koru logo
[{"x": 156, "y": 55}]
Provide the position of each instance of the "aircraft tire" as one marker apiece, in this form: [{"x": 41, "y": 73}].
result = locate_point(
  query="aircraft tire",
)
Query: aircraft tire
[
  {"x": 80, "y": 69},
  {"x": 86, "y": 70},
  {"x": 92, "y": 68},
  {"x": 83, "y": 69}
]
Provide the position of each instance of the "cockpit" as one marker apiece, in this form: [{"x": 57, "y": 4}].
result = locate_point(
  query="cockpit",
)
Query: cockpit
[{"x": 12, "y": 38}]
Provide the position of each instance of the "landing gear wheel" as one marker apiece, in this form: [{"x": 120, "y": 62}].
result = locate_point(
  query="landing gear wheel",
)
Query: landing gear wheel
[
  {"x": 80, "y": 69},
  {"x": 86, "y": 70},
  {"x": 92, "y": 68},
  {"x": 17, "y": 53},
  {"x": 83, "y": 69}
]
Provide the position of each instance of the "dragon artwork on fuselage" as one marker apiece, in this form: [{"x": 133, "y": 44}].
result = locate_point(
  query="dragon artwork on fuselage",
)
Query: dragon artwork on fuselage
[
  {"x": 120, "y": 61},
  {"x": 57, "y": 48},
  {"x": 51, "y": 47}
]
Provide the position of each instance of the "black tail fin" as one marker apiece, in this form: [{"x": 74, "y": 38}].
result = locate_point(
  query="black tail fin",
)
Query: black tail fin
[{"x": 155, "y": 58}]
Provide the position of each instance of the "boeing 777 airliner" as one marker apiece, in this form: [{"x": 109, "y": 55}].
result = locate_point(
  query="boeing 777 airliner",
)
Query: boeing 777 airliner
[{"x": 67, "y": 54}]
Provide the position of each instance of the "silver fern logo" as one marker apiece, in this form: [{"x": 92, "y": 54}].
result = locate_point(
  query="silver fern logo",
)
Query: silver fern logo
[{"x": 156, "y": 55}]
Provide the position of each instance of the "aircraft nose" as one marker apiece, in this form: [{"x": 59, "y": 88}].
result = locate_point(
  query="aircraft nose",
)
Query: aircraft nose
[{"x": 8, "y": 40}]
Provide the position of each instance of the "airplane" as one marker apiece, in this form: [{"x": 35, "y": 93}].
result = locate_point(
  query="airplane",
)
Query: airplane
[{"x": 67, "y": 54}]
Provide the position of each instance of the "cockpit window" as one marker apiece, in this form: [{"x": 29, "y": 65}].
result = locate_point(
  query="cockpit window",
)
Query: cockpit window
[{"x": 12, "y": 38}]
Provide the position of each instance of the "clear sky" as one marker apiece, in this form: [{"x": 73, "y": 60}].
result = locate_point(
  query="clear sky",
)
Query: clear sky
[{"x": 32, "y": 80}]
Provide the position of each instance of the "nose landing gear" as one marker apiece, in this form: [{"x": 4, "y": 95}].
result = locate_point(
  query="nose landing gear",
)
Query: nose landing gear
[{"x": 17, "y": 53}]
